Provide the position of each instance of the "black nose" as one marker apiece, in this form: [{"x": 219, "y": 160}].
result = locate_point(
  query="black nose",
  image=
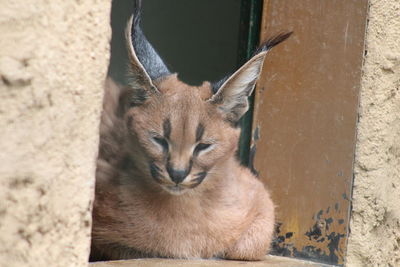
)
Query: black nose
[{"x": 177, "y": 176}]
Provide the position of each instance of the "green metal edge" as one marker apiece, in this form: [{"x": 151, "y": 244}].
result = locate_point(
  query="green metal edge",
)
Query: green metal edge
[{"x": 250, "y": 23}]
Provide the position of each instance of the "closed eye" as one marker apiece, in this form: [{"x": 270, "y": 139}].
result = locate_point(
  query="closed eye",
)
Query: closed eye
[
  {"x": 161, "y": 141},
  {"x": 201, "y": 147}
]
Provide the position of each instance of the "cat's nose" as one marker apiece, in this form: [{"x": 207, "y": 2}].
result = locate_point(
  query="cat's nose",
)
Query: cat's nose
[{"x": 177, "y": 176}]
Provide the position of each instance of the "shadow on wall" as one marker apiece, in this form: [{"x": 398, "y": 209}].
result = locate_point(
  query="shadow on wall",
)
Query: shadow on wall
[{"x": 199, "y": 40}]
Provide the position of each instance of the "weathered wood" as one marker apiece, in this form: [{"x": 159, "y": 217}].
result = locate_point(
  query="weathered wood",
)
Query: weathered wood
[{"x": 305, "y": 122}]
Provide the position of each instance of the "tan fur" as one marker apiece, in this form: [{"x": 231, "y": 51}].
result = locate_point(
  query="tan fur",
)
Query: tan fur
[
  {"x": 153, "y": 131},
  {"x": 229, "y": 214}
]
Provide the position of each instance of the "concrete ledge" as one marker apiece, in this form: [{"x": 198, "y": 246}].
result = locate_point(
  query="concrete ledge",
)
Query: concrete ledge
[{"x": 269, "y": 261}]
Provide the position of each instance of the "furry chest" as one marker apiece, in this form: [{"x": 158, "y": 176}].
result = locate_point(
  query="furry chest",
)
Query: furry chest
[{"x": 184, "y": 231}]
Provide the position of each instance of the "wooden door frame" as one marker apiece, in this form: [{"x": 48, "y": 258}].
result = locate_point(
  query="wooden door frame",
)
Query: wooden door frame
[{"x": 318, "y": 227}]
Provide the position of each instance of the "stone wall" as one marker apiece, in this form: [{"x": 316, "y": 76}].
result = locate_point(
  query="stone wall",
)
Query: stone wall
[
  {"x": 375, "y": 225},
  {"x": 53, "y": 61}
]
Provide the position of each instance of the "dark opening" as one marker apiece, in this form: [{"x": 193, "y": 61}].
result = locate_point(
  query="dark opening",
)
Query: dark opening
[{"x": 197, "y": 39}]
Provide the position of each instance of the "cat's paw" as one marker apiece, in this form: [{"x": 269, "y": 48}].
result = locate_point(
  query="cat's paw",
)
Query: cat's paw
[{"x": 246, "y": 251}]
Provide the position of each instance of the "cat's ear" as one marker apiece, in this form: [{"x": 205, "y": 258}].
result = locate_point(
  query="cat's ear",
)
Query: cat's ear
[
  {"x": 146, "y": 66},
  {"x": 231, "y": 94}
]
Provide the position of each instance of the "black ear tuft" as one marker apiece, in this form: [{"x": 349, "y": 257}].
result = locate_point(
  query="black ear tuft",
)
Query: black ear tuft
[
  {"x": 137, "y": 8},
  {"x": 266, "y": 46},
  {"x": 145, "y": 65},
  {"x": 273, "y": 41},
  {"x": 146, "y": 54},
  {"x": 231, "y": 93}
]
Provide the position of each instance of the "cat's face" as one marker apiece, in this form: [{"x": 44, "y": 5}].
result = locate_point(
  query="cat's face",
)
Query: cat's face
[
  {"x": 183, "y": 136},
  {"x": 184, "y": 132}
]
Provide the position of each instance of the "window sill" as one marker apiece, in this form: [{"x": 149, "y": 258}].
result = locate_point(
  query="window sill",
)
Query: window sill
[{"x": 269, "y": 261}]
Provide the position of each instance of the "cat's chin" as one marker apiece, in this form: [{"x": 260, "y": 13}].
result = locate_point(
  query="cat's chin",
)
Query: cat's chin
[{"x": 175, "y": 190}]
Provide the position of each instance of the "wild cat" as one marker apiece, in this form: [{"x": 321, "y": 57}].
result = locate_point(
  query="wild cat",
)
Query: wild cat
[{"x": 168, "y": 183}]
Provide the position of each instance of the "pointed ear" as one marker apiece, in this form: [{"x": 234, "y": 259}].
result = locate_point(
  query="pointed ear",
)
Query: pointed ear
[
  {"x": 231, "y": 97},
  {"x": 231, "y": 94},
  {"x": 145, "y": 64}
]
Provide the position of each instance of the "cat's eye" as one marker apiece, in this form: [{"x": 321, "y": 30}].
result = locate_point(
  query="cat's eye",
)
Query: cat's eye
[
  {"x": 162, "y": 142},
  {"x": 200, "y": 147}
]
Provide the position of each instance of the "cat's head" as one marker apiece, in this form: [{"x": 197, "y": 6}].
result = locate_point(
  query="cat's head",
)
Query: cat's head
[{"x": 186, "y": 133}]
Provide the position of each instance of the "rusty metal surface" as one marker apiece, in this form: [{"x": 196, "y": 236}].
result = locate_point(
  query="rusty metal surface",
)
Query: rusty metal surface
[{"x": 305, "y": 122}]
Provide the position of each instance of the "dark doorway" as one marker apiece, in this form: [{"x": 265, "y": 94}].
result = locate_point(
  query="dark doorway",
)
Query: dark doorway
[{"x": 197, "y": 39}]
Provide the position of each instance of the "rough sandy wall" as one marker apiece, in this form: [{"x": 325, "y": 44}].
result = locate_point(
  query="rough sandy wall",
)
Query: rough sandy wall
[
  {"x": 375, "y": 225},
  {"x": 53, "y": 61}
]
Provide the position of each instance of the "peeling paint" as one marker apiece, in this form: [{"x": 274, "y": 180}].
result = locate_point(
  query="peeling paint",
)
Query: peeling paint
[{"x": 324, "y": 239}]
